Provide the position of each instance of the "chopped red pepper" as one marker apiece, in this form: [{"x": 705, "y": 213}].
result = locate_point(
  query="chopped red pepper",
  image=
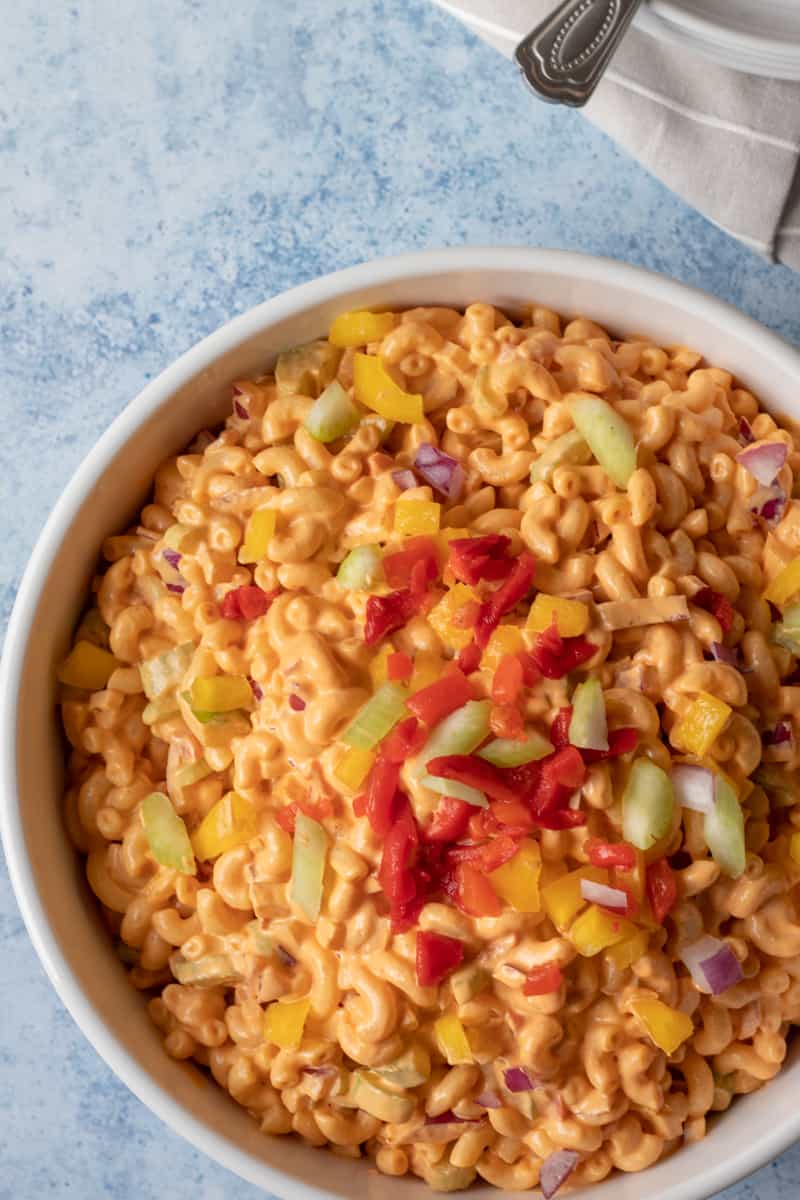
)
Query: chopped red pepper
[
  {"x": 474, "y": 559},
  {"x": 718, "y": 605},
  {"x": 508, "y": 680},
  {"x": 469, "y": 658},
  {"x": 560, "y": 776},
  {"x": 450, "y": 820},
  {"x": 382, "y": 803},
  {"x": 555, "y": 656},
  {"x": 399, "y": 667},
  {"x": 247, "y": 602},
  {"x": 662, "y": 888},
  {"x": 398, "y": 567},
  {"x": 487, "y": 856},
  {"x": 317, "y": 809},
  {"x": 559, "y": 730},
  {"x": 507, "y": 596},
  {"x": 395, "y": 874},
  {"x": 405, "y": 740},
  {"x": 514, "y": 816},
  {"x": 475, "y": 895},
  {"x": 563, "y": 818},
  {"x": 435, "y": 702},
  {"x": 437, "y": 955},
  {"x": 620, "y": 741},
  {"x": 606, "y": 854},
  {"x": 473, "y": 772},
  {"x": 506, "y": 721},
  {"x": 543, "y": 980},
  {"x": 297, "y": 703}
]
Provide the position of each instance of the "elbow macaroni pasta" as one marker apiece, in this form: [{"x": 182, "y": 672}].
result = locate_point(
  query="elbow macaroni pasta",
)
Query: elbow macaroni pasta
[{"x": 223, "y": 951}]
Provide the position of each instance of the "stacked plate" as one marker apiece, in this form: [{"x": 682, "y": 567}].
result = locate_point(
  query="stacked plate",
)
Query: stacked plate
[{"x": 758, "y": 36}]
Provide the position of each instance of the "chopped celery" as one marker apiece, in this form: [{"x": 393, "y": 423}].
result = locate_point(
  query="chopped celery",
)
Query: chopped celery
[
  {"x": 192, "y": 773},
  {"x": 588, "y": 728},
  {"x": 332, "y": 415},
  {"x": 608, "y": 434},
  {"x": 230, "y": 823},
  {"x": 724, "y": 829},
  {"x": 468, "y": 982},
  {"x": 451, "y": 787},
  {"x": 306, "y": 369},
  {"x": 507, "y": 752},
  {"x": 459, "y": 733},
  {"x": 160, "y": 709},
  {"x": 167, "y": 670},
  {"x": 368, "y": 1092},
  {"x": 262, "y": 942},
  {"x": 87, "y": 666},
  {"x": 220, "y": 693},
  {"x": 412, "y": 1068},
  {"x": 786, "y": 635},
  {"x": 361, "y": 569},
  {"x": 209, "y": 971},
  {"x": 308, "y": 864},
  {"x": 571, "y": 448},
  {"x": 166, "y": 834},
  {"x": 647, "y": 804},
  {"x": 380, "y": 714}
]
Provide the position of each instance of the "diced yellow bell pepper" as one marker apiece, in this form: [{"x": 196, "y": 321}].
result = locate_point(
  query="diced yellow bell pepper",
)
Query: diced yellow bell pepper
[
  {"x": 785, "y": 584},
  {"x": 417, "y": 516},
  {"x": 427, "y": 669},
  {"x": 624, "y": 954},
  {"x": 378, "y": 667},
  {"x": 87, "y": 666},
  {"x": 794, "y": 848},
  {"x": 258, "y": 532},
  {"x": 506, "y": 639},
  {"x": 284, "y": 1022},
  {"x": 442, "y": 616},
  {"x": 668, "y": 1027},
  {"x": 354, "y": 766},
  {"x": 375, "y": 389},
  {"x": 517, "y": 881},
  {"x": 452, "y": 1039},
  {"x": 701, "y": 725},
  {"x": 572, "y": 617},
  {"x": 230, "y": 823},
  {"x": 596, "y": 930},
  {"x": 221, "y": 693},
  {"x": 635, "y": 880},
  {"x": 562, "y": 899},
  {"x": 358, "y": 328}
]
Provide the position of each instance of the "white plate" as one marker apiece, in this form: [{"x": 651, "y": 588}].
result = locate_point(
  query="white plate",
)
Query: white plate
[{"x": 758, "y": 36}]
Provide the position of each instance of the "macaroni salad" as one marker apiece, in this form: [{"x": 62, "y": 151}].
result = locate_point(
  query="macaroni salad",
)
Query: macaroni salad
[{"x": 434, "y": 747}]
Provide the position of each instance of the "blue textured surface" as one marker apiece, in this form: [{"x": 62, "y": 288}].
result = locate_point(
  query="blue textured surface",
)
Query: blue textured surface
[{"x": 165, "y": 165}]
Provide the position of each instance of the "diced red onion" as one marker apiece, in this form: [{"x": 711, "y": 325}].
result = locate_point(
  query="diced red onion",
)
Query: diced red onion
[
  {"x": 745, "y": 430},
  {"x": 405, "y": 479},
  {"x": 286, "y": 958},
  {"x": 240, "y": 410},
  {"x": 178, "y": 588},
  {"x": 517, "y": 1079},
  {"x": 489, "y": 1099},
  {"x": 297, "y": 703},
  {"x": 440, "y": 470},
  {"x": 556, "y": 1169},
  {"x": 778, "y": 736},
  {"x": 607, "y": 897},
  {"x": 693, "y": 787},
  {"x": 763, "y": 461},
  {"x": 768, "y": 503},
  {"x": 236, "y": 390},
  {"x": 725, "y": 654},
  {"x": 255, "y": 688},
  {"x": 722, "y": 970},
  {"x": 172, "y": 557}
]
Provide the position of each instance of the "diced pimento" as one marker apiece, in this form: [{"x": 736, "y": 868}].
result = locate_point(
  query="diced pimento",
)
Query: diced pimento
[
  {"x": 257, "y": 535},
  {"x": 358, "y": 328},
  {"x": 571, "y": 616},
  {"x": 701, "y": 725},
  {"x": 88, "y": 667},
  {"x": 668, "y": 1027},
  {"x": 417, "y": 517},
  {"x": 517, "y": 881},
  {"x": 284, "y": 1022}
]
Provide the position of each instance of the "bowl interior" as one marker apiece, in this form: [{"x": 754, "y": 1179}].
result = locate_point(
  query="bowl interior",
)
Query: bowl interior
[{"x": 110, "y": 487}]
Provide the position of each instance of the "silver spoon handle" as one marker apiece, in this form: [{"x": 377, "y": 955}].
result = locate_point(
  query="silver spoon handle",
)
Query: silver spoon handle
[{"x": 563, "y": 58}]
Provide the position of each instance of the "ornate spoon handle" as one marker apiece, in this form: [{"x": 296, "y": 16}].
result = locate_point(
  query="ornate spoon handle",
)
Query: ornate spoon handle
[{"x": 563, "y": 58}]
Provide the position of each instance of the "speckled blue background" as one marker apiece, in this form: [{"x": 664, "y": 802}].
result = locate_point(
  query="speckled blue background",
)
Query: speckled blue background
[{"x": 165, "y": 165}]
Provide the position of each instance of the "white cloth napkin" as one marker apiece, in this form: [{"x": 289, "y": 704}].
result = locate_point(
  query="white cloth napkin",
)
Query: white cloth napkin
[{"x": 727, "y": 142}]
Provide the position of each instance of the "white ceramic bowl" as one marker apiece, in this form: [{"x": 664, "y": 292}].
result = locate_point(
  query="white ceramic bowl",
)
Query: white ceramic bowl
[{"x": 108, "y": 489}]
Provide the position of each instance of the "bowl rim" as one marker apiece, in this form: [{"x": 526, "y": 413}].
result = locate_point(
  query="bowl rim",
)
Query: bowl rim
[{"x": 571, "y": 265}]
